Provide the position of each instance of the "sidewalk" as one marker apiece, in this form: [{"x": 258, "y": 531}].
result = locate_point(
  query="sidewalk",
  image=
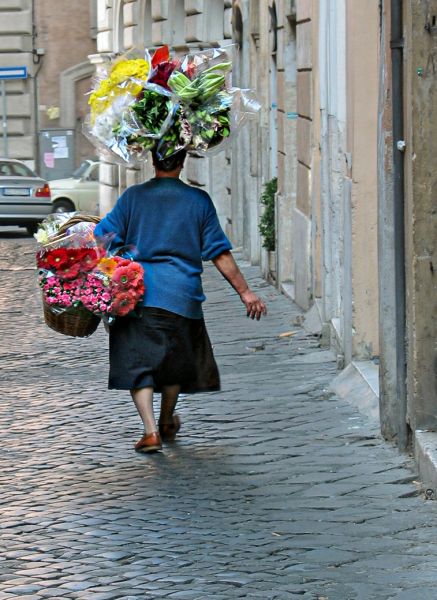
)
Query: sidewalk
[{"x": 275, "y": 488}]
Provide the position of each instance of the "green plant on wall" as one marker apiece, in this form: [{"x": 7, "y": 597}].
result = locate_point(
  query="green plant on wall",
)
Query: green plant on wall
[{"x": 267, "y": 221}]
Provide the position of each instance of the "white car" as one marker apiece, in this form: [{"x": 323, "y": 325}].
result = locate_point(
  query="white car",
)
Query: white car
[
  {"x": 24, "y": 197},
  {"x": 79, "y": 192}
]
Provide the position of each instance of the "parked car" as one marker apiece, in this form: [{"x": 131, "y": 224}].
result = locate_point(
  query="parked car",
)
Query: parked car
[
  {"x": 79, "y": 192},
  {"x": 24, "y": 197}
]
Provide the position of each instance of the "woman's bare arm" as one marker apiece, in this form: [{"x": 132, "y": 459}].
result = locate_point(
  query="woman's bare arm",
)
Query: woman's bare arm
[{"x": 227, "y": 266}]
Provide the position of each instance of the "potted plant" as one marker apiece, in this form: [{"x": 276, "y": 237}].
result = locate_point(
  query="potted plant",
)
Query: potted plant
[{"x": 267, "y": 227}]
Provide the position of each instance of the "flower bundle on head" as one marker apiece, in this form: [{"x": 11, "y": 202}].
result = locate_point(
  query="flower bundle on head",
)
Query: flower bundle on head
[
  {"x": 73, "y": 275},
  {"x": 166, "y": 104}
]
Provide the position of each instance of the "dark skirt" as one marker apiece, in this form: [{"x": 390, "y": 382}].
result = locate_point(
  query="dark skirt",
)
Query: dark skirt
[{"x": 155, "y": 347}]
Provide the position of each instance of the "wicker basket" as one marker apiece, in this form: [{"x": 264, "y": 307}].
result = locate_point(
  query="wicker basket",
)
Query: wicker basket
[
  {"x": 75, "y": 220},
  {"x": 76, "y": 322}
]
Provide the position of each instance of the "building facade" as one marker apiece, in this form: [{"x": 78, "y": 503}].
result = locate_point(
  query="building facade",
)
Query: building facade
[
  {"x": 18, "y": 49},
  {"x": 53, "y": 41},
  {"x": 348, "y": 127}
]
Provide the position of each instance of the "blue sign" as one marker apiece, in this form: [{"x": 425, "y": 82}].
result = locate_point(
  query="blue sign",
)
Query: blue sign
[{"x": 13, "y": 72}]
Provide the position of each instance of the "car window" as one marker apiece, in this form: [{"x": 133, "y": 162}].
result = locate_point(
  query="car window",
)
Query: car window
[
  {"x": 15, "y": 169},
  {"x": 21, "y": 170},
  {"x": 93, "y": 175},
  {"x": 81, "y": 169},
  {"x": 5, "y": 169}
]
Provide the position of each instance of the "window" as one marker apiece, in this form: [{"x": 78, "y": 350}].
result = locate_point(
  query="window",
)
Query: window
[
  {"x": 8, "y": 169},
  {"x": 93, "y": 174},
  {"x": 81, "y": 169}
]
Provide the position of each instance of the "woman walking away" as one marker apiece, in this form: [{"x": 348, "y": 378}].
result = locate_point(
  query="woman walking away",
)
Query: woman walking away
[{"x": 164, "y": 347}]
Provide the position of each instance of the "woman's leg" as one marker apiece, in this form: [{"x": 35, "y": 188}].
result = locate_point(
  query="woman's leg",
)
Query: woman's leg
[
  {"x": 143, "y": 399},
  {"x": 169, "y": 399},
  {"x": 169, "y": 423}
]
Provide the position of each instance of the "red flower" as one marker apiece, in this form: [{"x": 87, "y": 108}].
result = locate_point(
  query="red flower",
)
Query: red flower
[
  {"x": 140, "y": 289},
  {"x": 123, "y": 304},
  {"x": 162, "y": 73},
  {"x": 88, "y": 259},
  {"x": 135, "y": 273},
  {"x": 74, "y": 255},
  {"x": 120, "y": 279},
  {"x": 160, "y": 55},
  {"x": 42, "y": 260},
  {"x": 69, "y": 271},
  {"x": 57, "y": 259},
  {"x": 190, "y": 70},
  {"x": 122, "y": 262}
]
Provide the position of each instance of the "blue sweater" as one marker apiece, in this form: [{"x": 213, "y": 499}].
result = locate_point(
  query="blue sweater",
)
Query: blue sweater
[{"x": 171, "y": 228}]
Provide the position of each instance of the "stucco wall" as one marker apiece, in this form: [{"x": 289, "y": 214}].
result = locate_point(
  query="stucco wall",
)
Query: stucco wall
[{"x": 363, "y": 86}]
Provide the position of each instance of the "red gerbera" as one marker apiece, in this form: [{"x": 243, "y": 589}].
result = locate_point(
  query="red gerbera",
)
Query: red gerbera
[
  {"x": 120, "y": 279},
  {"x": 122, "y": 304},
  {"x": 42, "y": 260},
  {"x": 69, "y": 271},
  {"x": 140, "y": 289},
  {"x": 89, "y": 259},
  {"x": 122, "y": 262},
  {"x": 74, "y": 255},
  {"x": 57, "y": 259},
  {"x": 135, "y": 273}
]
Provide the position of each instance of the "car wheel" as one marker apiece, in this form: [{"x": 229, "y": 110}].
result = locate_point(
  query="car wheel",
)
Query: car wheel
[{"x": 63, "y": 205}]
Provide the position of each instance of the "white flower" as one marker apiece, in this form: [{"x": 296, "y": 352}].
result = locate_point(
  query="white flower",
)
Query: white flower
[{"x": 41, "y": 236}]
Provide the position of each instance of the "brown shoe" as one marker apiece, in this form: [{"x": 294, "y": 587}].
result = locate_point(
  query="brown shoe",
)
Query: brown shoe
[
  {"x": 150, "y": 442},
  {"x": 168, "y": 431}
]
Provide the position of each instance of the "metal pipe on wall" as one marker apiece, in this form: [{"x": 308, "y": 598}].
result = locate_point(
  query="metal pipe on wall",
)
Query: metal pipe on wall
[
  {"x": 397, "y": 51},
  {"x": 37, "y": 67}
]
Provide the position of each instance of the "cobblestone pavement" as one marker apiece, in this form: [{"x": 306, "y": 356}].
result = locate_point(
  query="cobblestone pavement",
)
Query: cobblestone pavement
[{"x": 274, "y": 490}]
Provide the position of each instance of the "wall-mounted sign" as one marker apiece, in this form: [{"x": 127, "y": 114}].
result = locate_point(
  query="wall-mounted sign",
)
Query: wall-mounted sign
[{"x": 13, "y": 72}]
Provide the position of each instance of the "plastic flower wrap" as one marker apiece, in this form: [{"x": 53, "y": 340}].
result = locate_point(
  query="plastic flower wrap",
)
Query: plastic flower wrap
[
  {"x": 76, "y": 273},
  {"x": 167, "y": 103}
]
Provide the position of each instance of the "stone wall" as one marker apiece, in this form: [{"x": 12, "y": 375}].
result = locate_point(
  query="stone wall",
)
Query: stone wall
[
  {"x": 421, "y": 214},
  {"x": 16, "y": 50}
]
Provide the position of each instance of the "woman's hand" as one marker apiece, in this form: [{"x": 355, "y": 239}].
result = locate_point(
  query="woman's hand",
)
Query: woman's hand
[
  {"x": 227, "y": 266},
  {"x": 255, "y": 306}
]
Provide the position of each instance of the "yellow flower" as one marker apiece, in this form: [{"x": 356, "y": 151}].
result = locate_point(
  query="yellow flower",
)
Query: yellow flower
[
  {"x": 125, "y": 69},
  {"x": 120, "y": 82},
  {"x": 107, "y": 266}
]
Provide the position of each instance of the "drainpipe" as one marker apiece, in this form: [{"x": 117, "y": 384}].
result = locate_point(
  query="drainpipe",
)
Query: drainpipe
[
  {"x": 397, "y": 46},
  {"x": 36, "y": 57}
]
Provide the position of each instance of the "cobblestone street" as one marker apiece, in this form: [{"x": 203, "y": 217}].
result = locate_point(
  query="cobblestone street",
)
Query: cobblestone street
[{"x": 275, "y": 488}]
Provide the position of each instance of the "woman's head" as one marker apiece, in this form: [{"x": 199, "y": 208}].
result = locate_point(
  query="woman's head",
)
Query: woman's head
[{"x": 172, "y": 163}]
